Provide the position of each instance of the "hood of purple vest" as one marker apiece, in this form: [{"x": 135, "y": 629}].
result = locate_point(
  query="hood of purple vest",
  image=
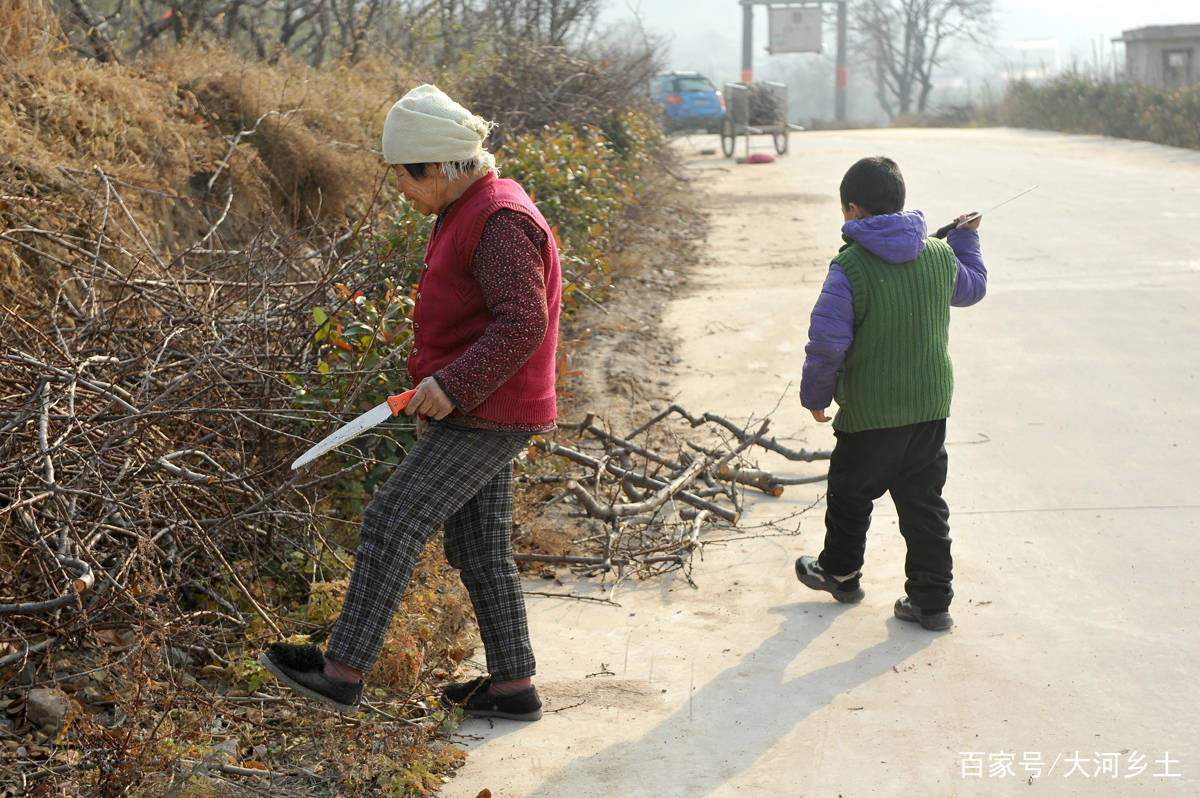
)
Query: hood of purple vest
[{"x": 894, "y": 237}]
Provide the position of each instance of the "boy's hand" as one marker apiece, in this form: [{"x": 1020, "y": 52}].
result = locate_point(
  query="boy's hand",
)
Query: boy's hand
[
  {"x": 820, "y": 416},
  {"x": 971, "y": 225}
]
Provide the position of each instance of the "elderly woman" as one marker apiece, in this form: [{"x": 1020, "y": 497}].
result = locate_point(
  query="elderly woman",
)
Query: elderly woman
[{"x": 485, "y": 329}]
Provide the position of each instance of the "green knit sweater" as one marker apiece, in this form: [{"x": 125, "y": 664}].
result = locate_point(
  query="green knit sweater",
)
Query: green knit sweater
[{"x": 897, "y": 369}]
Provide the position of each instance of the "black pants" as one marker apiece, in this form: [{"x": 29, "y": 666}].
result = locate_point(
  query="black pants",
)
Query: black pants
[{"x": 910, "y": 463}]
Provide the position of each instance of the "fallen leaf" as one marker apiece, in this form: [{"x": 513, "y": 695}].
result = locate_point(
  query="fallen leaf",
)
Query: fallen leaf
[
  {"x": 110, "y": 637},
  {"x": 459, "y": 654}
]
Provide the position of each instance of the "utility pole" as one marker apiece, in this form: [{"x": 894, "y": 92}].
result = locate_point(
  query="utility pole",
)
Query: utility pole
[
  {"x": 839, "y": 86},
  {"x": 747, "y": 41}
]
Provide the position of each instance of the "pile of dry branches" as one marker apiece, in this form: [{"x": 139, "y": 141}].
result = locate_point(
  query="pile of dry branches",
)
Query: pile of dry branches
[
  {"x": 156, "y": 323},
  {"x": 146, "y": 507},
  {"x": 765, "y": 106},
  {"x": 649, "y": 505},
  {"x": 147, "y": 415}
]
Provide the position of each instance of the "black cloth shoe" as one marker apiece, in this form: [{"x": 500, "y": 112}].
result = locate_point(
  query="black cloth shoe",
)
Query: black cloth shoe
[
  {"x": 459, "y": 692},
  {"x": 934, "y": 621},
  {"x": 302, "y": 668},
  {"x": 477, "y": 702},
  {"x": 811, "y": 574}
]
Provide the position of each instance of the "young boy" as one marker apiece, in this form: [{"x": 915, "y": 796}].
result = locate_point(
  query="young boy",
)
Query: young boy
[{"x": 878, "y": 345}]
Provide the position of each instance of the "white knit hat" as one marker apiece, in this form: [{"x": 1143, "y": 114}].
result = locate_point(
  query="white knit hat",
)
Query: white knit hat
[{"x": 426, "y": 126}]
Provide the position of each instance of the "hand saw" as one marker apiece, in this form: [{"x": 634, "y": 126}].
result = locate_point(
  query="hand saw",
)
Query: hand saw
[{"x": 373, "y": 417}]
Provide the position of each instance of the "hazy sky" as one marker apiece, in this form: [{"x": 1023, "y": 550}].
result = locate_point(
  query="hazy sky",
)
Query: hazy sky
[{"x": 705, "y": 35}]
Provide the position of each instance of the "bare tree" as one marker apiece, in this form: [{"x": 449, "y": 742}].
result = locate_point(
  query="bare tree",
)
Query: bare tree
[
  {"x": 429, "y": 31},
  {"x": 904, "y": 42},
  {"x": 543, "y": 21}
]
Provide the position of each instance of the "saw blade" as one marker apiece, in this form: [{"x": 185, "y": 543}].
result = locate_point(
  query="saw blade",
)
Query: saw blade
[{"x": 371, "y": 418}]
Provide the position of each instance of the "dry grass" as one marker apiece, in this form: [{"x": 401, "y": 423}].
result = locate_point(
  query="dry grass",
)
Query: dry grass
[
  {"x": 201, "y": 133},
  {"x": 26, "y": 26},
  {"x": 315, "y": 132}
]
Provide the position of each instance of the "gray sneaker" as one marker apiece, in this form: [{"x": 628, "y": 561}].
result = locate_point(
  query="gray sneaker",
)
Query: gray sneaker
[
  {"x": 934, "y": 621},
  {"x": 845, "y": 589}
]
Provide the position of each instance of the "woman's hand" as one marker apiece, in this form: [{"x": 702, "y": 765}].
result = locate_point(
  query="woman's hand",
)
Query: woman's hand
[
  {"x": 430, "y": 400},
  {"x": 820, "y": 416}
]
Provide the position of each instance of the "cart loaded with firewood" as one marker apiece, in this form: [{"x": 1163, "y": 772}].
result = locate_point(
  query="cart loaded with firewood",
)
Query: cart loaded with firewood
[{"x": 758, "y": 108}]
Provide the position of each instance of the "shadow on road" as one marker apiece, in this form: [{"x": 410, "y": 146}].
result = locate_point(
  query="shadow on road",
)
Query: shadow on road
[{"x": 739, "y": 715}]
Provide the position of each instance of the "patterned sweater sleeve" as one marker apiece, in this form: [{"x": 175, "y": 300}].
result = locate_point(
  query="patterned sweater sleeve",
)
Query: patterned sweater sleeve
[{"x": 508, "y": 267}]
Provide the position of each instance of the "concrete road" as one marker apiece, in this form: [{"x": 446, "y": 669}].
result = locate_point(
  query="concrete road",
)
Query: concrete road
[{"x": 1073, "y": 466}]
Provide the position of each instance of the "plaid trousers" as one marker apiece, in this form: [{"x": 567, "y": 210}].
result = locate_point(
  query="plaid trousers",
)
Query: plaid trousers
[{"x": 462, "y": 479}]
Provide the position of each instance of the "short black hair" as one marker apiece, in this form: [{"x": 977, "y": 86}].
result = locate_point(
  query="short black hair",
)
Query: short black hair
[{"x": 875, "y": 185}]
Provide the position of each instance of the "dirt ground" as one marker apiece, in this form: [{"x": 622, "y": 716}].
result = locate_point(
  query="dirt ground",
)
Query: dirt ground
[
  {"x": 627, "y": 356},
  {"x": 630, "y": 369},
  {"x": 1070, "y": 671}
]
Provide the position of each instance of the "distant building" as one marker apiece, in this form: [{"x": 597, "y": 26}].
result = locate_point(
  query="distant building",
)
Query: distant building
[{"x": 1162, "y": 56}]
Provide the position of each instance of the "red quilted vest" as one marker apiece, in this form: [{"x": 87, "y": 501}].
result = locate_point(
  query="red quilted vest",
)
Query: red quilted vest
[{"x": 450, "y": 313}]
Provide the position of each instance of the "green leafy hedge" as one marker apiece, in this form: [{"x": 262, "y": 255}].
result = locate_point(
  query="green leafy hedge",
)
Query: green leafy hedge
[{"x": 1078, "y": 104}]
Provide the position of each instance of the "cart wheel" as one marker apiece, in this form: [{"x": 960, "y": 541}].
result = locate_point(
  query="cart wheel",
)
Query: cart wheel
[
  {"x": 728, "y": 139},
  {"x": 781, "y": 142}
]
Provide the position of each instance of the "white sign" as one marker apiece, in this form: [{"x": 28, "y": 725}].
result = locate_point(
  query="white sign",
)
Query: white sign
[{"x": 794, "y": 29}]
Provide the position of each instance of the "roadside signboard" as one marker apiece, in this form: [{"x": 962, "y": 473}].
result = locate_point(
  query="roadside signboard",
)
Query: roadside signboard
[{"x": 794, "y": 29}]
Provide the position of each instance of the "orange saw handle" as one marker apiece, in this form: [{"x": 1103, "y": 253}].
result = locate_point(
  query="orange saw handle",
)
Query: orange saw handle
[{"x": 400, "y": 401}]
